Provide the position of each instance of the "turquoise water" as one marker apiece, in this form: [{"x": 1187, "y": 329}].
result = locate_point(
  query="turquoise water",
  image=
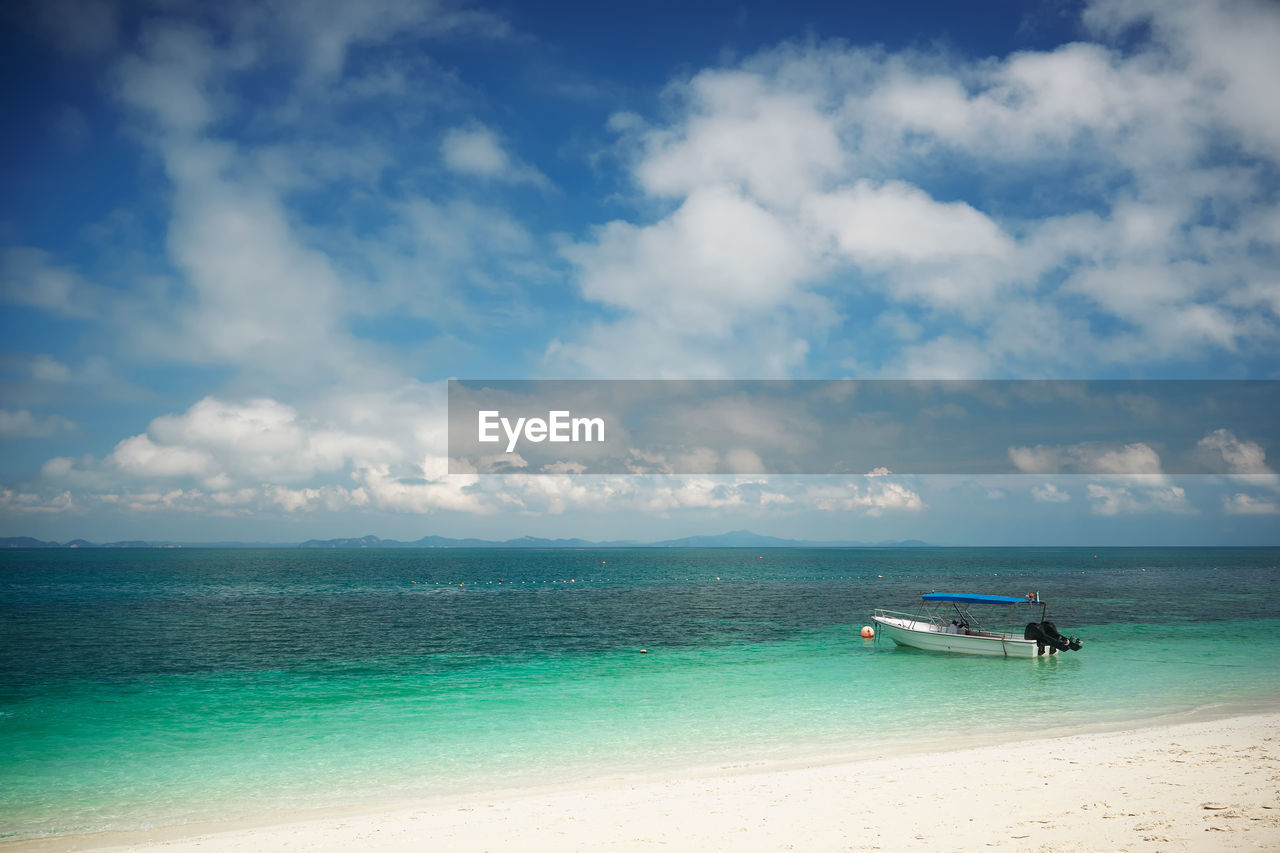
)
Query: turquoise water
[{"x": 140, "y": 688}]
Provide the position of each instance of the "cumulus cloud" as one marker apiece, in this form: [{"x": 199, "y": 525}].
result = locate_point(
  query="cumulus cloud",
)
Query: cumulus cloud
[
  {"x": 1049, "y": 493},
  {"x": 27, "y": 503},
  {"x": 877, "y": 497},
  {"x": 1242, "y": 504},
  {"x": 718, "y": 257},
  {"x": 476, "y": 151},
  {"x": 256, "y": 295},
  {"x": 1129, "y": 499},
  {"x": 689, "y": 285},
  {"x": 1239, "y": 457},
  {"x": 744, "y": 130},
  {"x": 260, "y": 455},
  {"x": 1096, "y": 206},
  {"x": 353, "y": 451},
  {"x": 142, "y": 457},
  {"x": 1136, "y": 459},
  {"x": 267, "y": 439},
  {"x": 264, "y": 284},
  {"x": 899, "y": 223},
  {"x": 818, "y": 160}
]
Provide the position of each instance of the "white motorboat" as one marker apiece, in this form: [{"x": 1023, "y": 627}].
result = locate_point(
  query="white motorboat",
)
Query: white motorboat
[{"x": 949, "y": 622}]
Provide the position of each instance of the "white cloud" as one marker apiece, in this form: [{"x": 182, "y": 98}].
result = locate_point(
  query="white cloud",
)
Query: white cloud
[
  {"x": 23, "y": 424},
  {"x": 475, "y": 150},
  {"x": 268, "y": 284},
  {"x": 440, "y": 255},
  {"x": 1046, "y": 212},
  {"x": 1226, "y": 47},
  {"x": 1131, "y": 459},
  {"x": 875, "y": 499},
  {"x": 45, "y": 379},
  {"x": 657, "y": 346},
  {"x": 324, "y": 32},
  {"x": 141, "y": 457},
  {"x": 1242, "y": 504},
  {"x": 1091, "y": 248},
  {"x": 226, "y": 447},
  {"x": 743, "y": 130},
  {"x": 719, "y": 255},
  {"x": 943, "y": 357},
  {"x": 880, "y": 226},
  {"x": 712, "y": 290},
  {"x": 169, "y": 79},
  {"x": 27, "y": 503},
  {"x": 256, "y": 295},
  {"x": 1240, "y": 457},
  {"x": 263, "y": 300},
  {"x": 406, "y": 493},
  {"x": 261, "y": 455},
  {"x": 45, "y": 368},
  {"x": 1129, "y": 499},
  {"x": 30, "y": 277},
  {"x": 1049, "y": 493}
]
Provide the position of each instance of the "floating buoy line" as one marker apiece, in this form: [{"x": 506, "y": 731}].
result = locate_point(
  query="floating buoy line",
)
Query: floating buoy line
[{"x": 709, "y": 579}]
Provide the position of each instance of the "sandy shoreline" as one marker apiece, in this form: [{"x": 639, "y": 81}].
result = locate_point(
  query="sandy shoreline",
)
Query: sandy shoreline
[{"x": 1210, "y": 785}]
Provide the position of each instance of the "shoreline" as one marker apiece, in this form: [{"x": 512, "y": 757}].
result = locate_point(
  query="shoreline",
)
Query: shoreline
[{"x": 1206, "y": 784}]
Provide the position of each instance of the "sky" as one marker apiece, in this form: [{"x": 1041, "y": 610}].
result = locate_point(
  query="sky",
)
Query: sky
[{"x": 243, "y": 247}]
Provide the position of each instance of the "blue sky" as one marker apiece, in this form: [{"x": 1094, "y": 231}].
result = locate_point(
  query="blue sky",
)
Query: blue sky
[{"x": 242, "y": 249}]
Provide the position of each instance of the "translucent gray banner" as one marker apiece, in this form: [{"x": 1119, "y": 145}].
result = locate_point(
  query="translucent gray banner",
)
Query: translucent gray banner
[{"x": 1146, "y": 427}]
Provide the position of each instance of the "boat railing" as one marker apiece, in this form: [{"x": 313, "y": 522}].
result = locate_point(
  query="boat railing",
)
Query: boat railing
[{"x": 932, "y": 619}]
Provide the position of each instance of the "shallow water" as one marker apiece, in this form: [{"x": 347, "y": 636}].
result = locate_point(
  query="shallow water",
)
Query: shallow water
[{"x": 148, "y": 687}]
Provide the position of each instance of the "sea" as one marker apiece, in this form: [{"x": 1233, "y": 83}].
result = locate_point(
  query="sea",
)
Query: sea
[{"x": 150, "y": 687}]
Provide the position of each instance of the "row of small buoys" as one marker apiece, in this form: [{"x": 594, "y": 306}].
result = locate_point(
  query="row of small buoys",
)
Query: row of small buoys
[{"x": 721, "y": 578}]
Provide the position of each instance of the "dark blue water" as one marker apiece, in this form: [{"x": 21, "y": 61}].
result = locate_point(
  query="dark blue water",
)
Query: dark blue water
[{"x": 153, "y": 686}]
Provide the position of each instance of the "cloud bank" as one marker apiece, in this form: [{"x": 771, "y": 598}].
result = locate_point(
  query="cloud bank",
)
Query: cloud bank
[{"x": 326, "y": 218}]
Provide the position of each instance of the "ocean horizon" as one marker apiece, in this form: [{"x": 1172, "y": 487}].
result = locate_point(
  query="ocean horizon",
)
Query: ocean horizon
[{"x": 149, "y": 687}]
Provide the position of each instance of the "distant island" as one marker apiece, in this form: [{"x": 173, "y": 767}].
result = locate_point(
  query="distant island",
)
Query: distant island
[{"x": 732, "y": 539}]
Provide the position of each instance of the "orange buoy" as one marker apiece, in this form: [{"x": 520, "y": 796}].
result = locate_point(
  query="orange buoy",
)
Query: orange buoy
[{"x": 867, "y": 632}]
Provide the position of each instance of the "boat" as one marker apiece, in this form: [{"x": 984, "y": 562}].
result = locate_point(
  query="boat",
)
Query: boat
[{"x": 953, "y": 622}]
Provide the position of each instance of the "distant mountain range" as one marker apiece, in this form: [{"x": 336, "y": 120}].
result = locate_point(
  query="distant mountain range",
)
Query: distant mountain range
[{"x": 733, "y": 539}]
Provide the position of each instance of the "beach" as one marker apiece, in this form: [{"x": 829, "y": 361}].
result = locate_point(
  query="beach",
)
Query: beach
[{"x": 1206, "y": 785}]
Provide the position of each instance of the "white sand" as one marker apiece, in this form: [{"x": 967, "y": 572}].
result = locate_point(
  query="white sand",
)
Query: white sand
[{"x": 1207, "y": 786}]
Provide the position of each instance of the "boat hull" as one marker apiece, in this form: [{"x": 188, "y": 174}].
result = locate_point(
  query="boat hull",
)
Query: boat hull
[{"x": 924, "y": 635}]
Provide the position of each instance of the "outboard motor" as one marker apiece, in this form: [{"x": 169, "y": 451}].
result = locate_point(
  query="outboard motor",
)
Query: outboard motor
[{"x": 1046, "y": 635}]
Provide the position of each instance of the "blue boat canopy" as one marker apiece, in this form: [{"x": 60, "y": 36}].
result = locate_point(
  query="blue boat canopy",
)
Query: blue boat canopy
[{"x": 969, "y": 598}]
